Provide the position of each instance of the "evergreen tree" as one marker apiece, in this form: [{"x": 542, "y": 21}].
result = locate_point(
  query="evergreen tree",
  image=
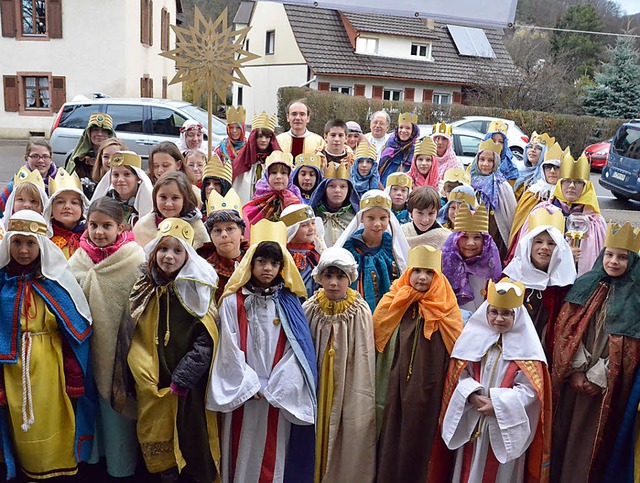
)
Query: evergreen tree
[{"x": 617, "y": 89}]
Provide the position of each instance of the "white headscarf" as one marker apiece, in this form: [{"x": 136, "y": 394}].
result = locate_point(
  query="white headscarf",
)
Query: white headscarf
[
  {"x": 519, "y": 343},
  {"x": 337, "y": 257},
  {"x": 182, "y": 142},
  {"x": 53, "y": 264},
  {"x": 8, "y": 207},
  {"x": 144, "y": 199},
  {"x": 195, "y": 283},
  {"x": 49, "y": 206},
  {"x": 318, "y": 240},
  {"x": 400, "y": 245},
  {"x": 561, "y": 271}
]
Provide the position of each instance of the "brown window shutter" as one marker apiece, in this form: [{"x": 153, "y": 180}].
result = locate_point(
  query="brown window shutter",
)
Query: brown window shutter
[
  {"x": 377, "y": 92},
  {"x": 54, "y": 19},
  {"x": 457, "y": 97},
  {"x": 58, "y": 92},
  {"x": 150, "y": 25},
  {"x": 427, "y": 95},
  {"x": 358, "y": 90},
  {"x": 143, "y": 87},
  {"x": 144, "y": 22},
  {"x": 8, "y": 15},
  {"x": 164, "y": 30},
  {"x": 409, "y": 93},
  {"x": 164, "y": 87},
  {"x": 150, "y": 87},
  {"x": 11, "y": 93},
  {"x": 323, "y": 86}
]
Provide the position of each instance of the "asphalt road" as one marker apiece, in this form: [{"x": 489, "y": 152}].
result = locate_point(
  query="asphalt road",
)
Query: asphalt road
[{"x": 12, "y": 157}]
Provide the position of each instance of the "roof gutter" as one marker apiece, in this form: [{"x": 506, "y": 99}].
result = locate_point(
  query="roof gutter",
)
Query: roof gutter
[{"x": 313, "y": 79}]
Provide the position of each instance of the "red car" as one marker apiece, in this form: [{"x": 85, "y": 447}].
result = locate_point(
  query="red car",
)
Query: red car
[{"x": 598, "y": 154}]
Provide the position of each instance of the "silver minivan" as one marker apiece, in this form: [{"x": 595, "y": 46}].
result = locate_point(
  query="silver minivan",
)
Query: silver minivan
[{"x": 140, "y": 123}]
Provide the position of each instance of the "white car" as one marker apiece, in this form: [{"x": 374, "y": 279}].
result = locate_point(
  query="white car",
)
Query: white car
[
  {"x": 465, "y": 142},
  {"x": 517, "y": 139}
]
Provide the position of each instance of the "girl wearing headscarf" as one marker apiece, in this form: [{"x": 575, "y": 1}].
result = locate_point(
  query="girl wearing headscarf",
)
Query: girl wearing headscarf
[
  {"x": 364, "y": 172},
  {"x": 459, "y": 194},
  {"x": 398, "y": 187},
  {"x": 28, "y": 193},
  {"x": 191, "y": 136},
  {"x": 497, "y": 132},
  {"x": 596, "y": 355},
  {"x": 228, "y": 148},
  {"x": 398, "y": 151},
  {"x": 534, "y": 153},
  {"x": 424, "y": 167},
  {"x": 445, "y": 157},
  {"x": 494, "y": 192},
  {"x": 342, "y": 332},
  {"x": 376, "y": 241},
  {"x": 307, "y": 175},
  {"x": 415, "y": 325},
  {"x": 48, "y": 396},
  {"x": 496, "y": 410}
]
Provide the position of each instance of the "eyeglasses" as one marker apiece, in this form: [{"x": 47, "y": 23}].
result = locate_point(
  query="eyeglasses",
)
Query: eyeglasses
[
  {"x": 38, "y": 157},
  {"x": 505, "y": 314},
  {"x": 550, "y": 167},
  {"x": 536, "y": 147},
  {"x": 219, "y": 231},
  {"x": 575, "y": 182}
]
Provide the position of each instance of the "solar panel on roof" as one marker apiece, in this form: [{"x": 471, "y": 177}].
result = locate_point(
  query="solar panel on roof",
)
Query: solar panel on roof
[{"x": 471, "y": 41}]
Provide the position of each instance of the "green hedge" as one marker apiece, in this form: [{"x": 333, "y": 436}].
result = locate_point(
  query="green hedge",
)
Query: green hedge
[{"x": 575, "y": 131}]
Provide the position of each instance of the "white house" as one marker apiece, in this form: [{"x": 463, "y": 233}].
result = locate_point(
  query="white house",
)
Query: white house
[
  {"x": 54, "y": 50},
  {"x": 361, "y": 54}
]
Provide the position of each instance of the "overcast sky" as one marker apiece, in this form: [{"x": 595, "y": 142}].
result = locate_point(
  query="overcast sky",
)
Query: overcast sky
[{"x": 631, "y": 6}]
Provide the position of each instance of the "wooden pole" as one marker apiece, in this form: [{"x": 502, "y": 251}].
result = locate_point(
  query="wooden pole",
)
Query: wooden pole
[{"x": 209, "y": 123}]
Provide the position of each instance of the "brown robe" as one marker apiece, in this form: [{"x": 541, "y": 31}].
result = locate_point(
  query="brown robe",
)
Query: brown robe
[{"x": 410, "y": 419}]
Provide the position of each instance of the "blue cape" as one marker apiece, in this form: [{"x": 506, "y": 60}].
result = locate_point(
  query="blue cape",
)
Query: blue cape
[{"x": 507, "y": 168}]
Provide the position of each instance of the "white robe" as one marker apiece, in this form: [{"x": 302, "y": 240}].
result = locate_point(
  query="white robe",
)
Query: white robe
[
  {"x": 236, "y": 378},
  {"x": 505, "y": 214},
  {"x": 478, "y": 285},
  {"x": 509, "y": 433}
]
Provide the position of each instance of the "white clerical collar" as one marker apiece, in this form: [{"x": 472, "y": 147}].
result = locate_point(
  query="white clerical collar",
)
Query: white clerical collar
[{"x": 306, "y": 133}]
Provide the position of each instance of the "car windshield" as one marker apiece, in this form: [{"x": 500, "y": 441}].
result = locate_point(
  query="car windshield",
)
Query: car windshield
[
  {"x": 200, "y": 115},
  {"x": 627, "y": 142}
]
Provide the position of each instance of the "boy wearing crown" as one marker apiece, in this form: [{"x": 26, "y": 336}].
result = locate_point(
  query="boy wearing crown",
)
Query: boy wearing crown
[
  {"x": 415, "y": 326},
  {"x": 595, "y": 357},
  {"x": 229, "y": 147},
  {"x": 335, "y": 149},
  {"x": 398, "y": 188},
  {"x": 342, "y": 331},
  {"x": 265, "y": 384},
  {"x": 497, "y": 396},
  {"x": 397, "y": 154},
  {"x": 307, "y": 175},
  {"x": 216, "y": 175}
]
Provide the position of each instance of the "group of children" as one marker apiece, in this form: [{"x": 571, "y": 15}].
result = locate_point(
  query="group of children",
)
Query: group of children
[{"x": 327, "y": 328}]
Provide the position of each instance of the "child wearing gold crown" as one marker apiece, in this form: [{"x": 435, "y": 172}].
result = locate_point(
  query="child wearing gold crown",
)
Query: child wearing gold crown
[
  {"x": 497, "y": 132},
  {"x": 445, "y": 157},
  {"x": 342, "y": 331},
  {"x": 265, "y": 382},
  {"x": 215, "y": 176},
  {"x": 424, "y": 167},
  {"x": 595, "y": 357},
  {"x": 376, "y": 241},
  {"x": 229, "y": 147},
  {"x": 168, "y": 341},
  {"x": 28, "y": 193},
  {"x": 307, "y": 175},
  {"x": 458, "y": 195},
  {"x": 364, "y": 172},
  {"x": 415, "y": 326},
  {"x": 496, "y": 412},
  {"x": 397, "y": 154},
  {"x": 398, "y": 188},
  {"x": 46, "y": 389}
]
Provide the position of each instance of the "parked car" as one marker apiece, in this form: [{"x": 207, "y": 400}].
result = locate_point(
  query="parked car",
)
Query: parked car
[
  {"x": 598, "y": 154},
  {"x": 141, "y": 123},
  {"x": 621, "y": 175},
  {"x": 518, "y": 140}
]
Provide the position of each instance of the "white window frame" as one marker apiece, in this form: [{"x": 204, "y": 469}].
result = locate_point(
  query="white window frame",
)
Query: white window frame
[
  {"x": 367, "y": 45},
  {"x": 387, "y": 95},
  {"x": 438, "y": 98},
  {"x": 348, "y": 90},
  {"x": 419, "y": 46},
  {"x": 270, "y": 42}
]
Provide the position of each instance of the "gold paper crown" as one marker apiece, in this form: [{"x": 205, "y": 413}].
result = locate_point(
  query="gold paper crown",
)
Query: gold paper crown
[
  {"x": 624, "y": 237},
  {"x": 541, "y": 217},
  {"x": 336, "y": 171},
  {"x": 303, "y": 213},
  {"x": 27, "y": 226},
  {"x": 102, "y": 120},
  {"x": 477, "y": 222},
  {"x": 426, "y": 147},
  {"x": 399, "y": 179},
  {"x": 230, "y": 201},
  {"x": 574, "y": 168},
  {"x": 442, "y": 128},
  {"x": 457, "y": 174},
  {"x": 126, "y": 158},
  {"x": 425, "y": 256},
  {"x": 266, "y": 230},
  {"x": 263, "y": 121},
  {"x": 236, "y": 114},
  {"x": 278, "y": 157},
  {"x": 25, "y": 176},
  {"x": 490, "y": 145},
  {"x": 218, "y": 169},
  {"x": 463, "y": 197},
  {"x": 308, "y": 159},
  {"x": 543, "y": 139},
  {"x": 176, "y": 228},
  {"x": 513, "y": 296},
  {"x": 411, "y": 117},
  {"x": 376, "y": 202},
  {"x": 498, "y": 126},
  {"x": 64, "y": 180},
  {"x": 366, "y": 150},
  {"x": 553, "y": 152}
]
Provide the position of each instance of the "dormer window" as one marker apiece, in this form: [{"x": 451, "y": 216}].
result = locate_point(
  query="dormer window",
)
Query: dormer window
[
  {"x": 367, "y": 45},
  {"x": 421, "y": 50}
]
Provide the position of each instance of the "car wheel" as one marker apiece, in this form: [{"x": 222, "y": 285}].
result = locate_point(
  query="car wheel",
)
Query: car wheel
[
  {"x": 620, "y": 196},
  {"x": 518, "y": 153}
]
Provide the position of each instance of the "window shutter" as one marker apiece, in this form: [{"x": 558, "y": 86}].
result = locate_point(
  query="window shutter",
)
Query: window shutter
[
  {"x": 150, "y": 87},
  {"x": 323, "y": 86},
  {"x": 143, "y": 87},
  {"x": 427, "y": 95},
  {"x": 8, "y": 15},
  {"x": 457, "y": 97},
  {"x": 164, "y": 88},
  {"x": 150, "y": 25},
  {"x": 164, "y": 29},
  {"x": 358, "y": 90},
  {"x": 11, "y": 93},
  {"x": 377, "y": 92},
  {"x": 144, "y": 21},
  {"x": 409, "y": 93},
  {"x": 54, "y": 19},
  {"x": 58, "y": 92}
]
